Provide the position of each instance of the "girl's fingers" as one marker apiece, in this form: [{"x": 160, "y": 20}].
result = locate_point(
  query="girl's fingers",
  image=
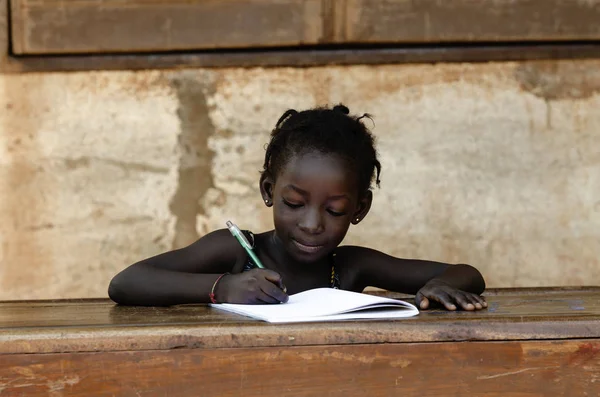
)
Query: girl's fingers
[
  {"x": 482, "y": 300},
  {"x": 478, "y": 301},
  {"x": 451, "y": 300},
  {"x": 274, "y": 292},
  {"x": 444, "y": 299},
  {"x": 424, "y": 303},
  {"x": 421, "y": 301},
  {"x": 261, "y": 298},
  {"x": 470, "y": 298},
  {"x": 464, "y": 301}
]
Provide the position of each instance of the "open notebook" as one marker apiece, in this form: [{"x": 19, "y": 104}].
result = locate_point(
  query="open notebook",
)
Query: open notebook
[{"x": 325, "y": 304}]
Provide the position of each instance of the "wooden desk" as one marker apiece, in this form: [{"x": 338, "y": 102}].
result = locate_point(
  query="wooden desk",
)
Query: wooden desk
[{"x": 530, "y": 342}]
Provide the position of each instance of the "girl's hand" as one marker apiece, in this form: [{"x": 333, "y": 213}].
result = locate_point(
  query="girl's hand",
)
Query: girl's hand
[
  {"x": 256, "y": 286},
  {"x": 448, "y": 296}
]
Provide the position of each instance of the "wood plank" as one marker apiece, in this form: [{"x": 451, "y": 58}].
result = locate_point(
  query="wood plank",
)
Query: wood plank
[
  {"x": 99, "y": 325},
  {"x": 116, "y": 26},
  {"x": 288, "y": 57},
  {"x": 79, "y": 26},
  {"x": 523, "y": 369},
  {"x": 570, "y": 304},
  {"x": 434, "y": 21},
  {"x": 4, "y": 37},
  {"x": 300, "y": 57},
  {"x": 112, "y": 26}
]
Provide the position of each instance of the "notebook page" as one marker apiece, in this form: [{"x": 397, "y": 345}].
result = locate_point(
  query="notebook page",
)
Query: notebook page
[{"x": 318, "y": 302}]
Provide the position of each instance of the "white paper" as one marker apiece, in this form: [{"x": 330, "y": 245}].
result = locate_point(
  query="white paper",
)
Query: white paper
[{"x": 325, "y": 304}]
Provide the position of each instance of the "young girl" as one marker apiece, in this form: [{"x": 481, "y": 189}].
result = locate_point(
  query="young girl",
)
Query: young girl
[{"x": 317, "y": 177}]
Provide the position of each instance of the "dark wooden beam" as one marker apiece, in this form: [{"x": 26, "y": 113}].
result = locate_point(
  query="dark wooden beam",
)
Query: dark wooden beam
[
  {"x": 334, "y": 25},
  {"x": 306, "y": 57},
  {"x": 131, "y": 26}
]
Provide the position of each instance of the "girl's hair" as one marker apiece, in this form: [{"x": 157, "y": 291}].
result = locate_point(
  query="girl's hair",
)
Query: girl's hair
[{"x": 329, "y": 131}]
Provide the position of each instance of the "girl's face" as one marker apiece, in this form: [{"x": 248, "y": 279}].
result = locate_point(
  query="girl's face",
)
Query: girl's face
[{"x": 315, "y": 198}]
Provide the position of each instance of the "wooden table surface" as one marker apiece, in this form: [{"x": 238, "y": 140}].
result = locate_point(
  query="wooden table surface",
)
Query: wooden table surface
[{"x": 528, "y": 342}]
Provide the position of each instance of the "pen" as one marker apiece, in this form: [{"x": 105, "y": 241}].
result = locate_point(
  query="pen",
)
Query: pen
[{"x": 237, "y": 233}]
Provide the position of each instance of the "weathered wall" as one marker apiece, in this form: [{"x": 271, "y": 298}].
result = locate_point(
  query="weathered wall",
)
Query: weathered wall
[{"x": 497, "y": 165}]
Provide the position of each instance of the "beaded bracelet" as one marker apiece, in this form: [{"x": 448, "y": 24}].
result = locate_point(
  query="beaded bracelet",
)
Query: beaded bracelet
[{"x": 212, "y": 291}]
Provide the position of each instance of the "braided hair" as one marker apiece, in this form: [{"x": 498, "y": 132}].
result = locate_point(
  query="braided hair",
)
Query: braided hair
[{"x": 329, "y": 131}]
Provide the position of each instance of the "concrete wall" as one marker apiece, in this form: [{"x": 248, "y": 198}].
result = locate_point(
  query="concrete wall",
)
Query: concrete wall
[{"x": 496, "y": 165}]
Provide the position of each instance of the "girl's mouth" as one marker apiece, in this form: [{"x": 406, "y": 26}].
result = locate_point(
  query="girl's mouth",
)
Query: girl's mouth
[{"x": 308, "y": 248}]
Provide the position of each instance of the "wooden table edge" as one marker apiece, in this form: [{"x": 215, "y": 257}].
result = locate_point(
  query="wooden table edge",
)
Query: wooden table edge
[{"x": 126, "y": 338}]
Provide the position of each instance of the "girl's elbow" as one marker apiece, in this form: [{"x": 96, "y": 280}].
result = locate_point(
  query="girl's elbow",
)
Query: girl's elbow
[
  {"x": 116, "y": 290},
  {"x": 113, "y": 291},
  {"x": 478, "y": 279},
  {"x": 480, "y": 285}
]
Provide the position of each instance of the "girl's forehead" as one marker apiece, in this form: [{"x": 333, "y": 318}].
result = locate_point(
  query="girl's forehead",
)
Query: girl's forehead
[
  {"x": 310, "y": 161},
  {"x": 319, "y": 167}
]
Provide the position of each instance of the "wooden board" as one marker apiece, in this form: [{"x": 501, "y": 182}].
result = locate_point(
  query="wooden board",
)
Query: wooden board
[
  {"x": 78, "y": 26},
  {"x": 434, "y": 21},
  {"x": 539, "y": 368},
  {"x": 4, "y": 36},
  {"x": 132, "y": 26},
  {"x": 297, "y": 57},
  {"x": 99, "y": 325},
  {"x": 529, "y": 342}
]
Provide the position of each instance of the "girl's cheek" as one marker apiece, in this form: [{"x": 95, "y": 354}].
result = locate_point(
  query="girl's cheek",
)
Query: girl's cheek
[
  {"x": 286, "y": 214},
  {"x": 338, "y": 225}
]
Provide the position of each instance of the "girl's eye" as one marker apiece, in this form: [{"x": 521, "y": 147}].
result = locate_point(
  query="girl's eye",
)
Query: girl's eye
[
  {"x": 335, "y": 213},
  {"x": 291, "y": 205}
]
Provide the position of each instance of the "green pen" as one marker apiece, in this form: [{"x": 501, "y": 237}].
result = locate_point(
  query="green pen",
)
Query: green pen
[{"x": 237, "y": 233}]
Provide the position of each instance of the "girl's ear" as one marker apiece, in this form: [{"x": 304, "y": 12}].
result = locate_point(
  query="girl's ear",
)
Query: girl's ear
[
  {"x": 363, "y": 208},
  {"x": 266, "y": 186}
]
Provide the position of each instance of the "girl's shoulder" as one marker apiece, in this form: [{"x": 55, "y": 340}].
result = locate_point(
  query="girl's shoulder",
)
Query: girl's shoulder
[
  {"x": 350, "y": 262},
  {"x": 218, "y": 244},
  {"x": 352, "y": 254},
  {"x": 356, "y": 258}
]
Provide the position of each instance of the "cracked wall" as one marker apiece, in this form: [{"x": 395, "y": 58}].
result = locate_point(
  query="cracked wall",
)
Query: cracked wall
[{"x": 493, "y": 164}]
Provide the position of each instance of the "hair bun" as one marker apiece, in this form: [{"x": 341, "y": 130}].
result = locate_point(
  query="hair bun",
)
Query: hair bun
[{"x": 341, "y": 108}]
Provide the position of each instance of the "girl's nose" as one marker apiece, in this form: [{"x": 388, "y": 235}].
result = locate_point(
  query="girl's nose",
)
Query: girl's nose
[{"x": 311, "y": 222}]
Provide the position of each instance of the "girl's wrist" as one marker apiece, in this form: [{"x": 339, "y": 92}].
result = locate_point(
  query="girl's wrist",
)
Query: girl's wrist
[{"x": 215, "y": 295}]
